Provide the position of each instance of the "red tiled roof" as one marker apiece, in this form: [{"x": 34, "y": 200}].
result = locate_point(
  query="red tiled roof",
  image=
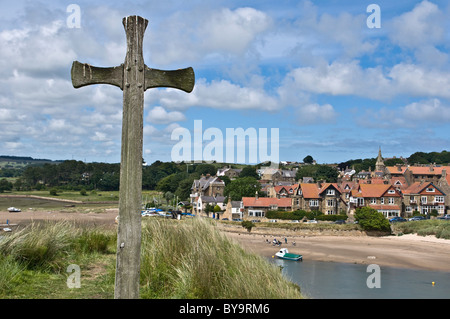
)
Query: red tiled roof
[
  {"x": 309, "y": 190},
  {"x": 385, "y": 207},
  {"x": 419, "y": 170},
  {"x": 420, "y": 188},
  {"x": 327, "y": 185},
  {"x": 376, "y": 190},
  {"x": 266, "y": 202}
]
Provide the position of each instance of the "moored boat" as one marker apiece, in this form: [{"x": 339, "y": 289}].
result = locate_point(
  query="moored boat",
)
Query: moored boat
[{"x": 283, "y": 253}]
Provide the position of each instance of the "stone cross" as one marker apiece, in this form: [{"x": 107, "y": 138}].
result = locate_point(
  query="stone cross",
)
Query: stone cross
[{"x": 133, "y": 78}]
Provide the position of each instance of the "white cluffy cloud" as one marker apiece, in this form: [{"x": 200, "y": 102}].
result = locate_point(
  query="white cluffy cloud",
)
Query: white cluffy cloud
[{"x": 159, "y": 115}]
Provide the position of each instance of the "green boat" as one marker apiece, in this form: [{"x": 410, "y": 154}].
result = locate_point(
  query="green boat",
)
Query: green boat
[{"x": 284, "y": 254}]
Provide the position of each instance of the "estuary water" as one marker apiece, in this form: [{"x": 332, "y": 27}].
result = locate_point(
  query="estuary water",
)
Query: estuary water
[{"x": 329, "y": 280}]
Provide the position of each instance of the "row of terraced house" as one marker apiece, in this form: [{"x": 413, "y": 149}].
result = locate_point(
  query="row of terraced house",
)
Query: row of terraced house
[{"x": 397, "y": 190}]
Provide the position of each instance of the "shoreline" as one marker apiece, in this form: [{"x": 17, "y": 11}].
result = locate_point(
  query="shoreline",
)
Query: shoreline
[{"x": 407, "y": 251}]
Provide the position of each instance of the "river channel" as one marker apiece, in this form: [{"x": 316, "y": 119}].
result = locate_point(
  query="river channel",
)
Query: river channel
[{"x": 329, "y": 280}]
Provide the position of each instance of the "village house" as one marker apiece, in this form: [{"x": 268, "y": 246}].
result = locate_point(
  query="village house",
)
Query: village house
[
  {"x": 200, "y": 203},
  {"x": 281, "y": 191},
  {"x": 208, "y": 186},
  {"x": 325, "y": 198},
  {"x": 277, "y": 176},
  {"x": 257, "y": 207},
  {"x": 385, "y": 198},
  {"x": 233, "y": 210},
  {"x": 423, "y": 197},
  {"x": 232, "y": 173}
]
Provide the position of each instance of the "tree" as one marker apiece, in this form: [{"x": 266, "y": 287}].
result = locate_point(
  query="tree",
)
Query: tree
[
  {"x": 242, "y": 187},
  {"x": 371, "y": 219},
  {"x": 184, "y": 188},
  {"x": 206, "y": 169},
  {"x": 318, "y": 172},
  {"x": 308, "y": 159},
  {"x": 5, "y": 185},
  {"x": 247, "y": 225},
  {"x": 249, "y": 171},
  {"x": 327, "y": 173}
]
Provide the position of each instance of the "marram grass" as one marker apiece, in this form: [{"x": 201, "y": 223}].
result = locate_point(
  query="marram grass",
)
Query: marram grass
[
  {"x": 179, "y": 259},
  {"x": 192, "y": 259}
]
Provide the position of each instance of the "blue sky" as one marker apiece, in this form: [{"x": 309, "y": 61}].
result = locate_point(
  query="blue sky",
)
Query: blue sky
[{"x": 335, "y": 89}]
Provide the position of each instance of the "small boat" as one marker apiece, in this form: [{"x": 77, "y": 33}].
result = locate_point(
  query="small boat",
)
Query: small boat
[
  {"x": 14, "y": 210},
  {"x": 284, "y": 254}
]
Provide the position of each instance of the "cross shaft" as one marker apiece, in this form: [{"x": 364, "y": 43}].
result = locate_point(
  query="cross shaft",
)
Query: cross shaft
[{"x": 133, "y": 77}]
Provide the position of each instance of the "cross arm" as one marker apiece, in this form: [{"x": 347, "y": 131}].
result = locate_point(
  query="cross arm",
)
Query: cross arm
[
  {"x": 84, "y": 74},
  {"x": 182, "y": 79}
]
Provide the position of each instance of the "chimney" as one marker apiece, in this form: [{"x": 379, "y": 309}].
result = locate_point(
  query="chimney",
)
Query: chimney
[
  {"x": 431, "y": 167},
  {"x": 256, "y": 195},
  {"x": 444, "y": 173}
]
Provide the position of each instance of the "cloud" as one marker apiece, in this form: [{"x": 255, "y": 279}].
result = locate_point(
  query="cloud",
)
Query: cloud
[
  {"x": 201, "y": 33},
  {"x": 374, "y": 83},
  {"x": 221, "y": 94},
  {"x": 428, "y": 113},
  {"x": 424, "y": 25},
  {"x": 159, "y": 115},
  {"x": 315, "y": 113}
]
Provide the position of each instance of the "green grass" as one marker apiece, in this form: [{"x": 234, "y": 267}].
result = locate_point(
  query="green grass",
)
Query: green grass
[
  {"x": 179, "y": 259},
  {"x": 436, "y": 227},
  {"x": 192, "y": 259},
  {"x": 34, "y": 260}
]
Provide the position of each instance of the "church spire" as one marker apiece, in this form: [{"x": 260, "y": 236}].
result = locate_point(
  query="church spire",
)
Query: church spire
[{"x": 379, "y": 165}]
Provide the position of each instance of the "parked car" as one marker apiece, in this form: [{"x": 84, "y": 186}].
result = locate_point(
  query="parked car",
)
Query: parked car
[
  {"x": 416, "y": 218},
  {"x": 256, "y": 221},
  {"x": 272, "y": 221},
  {"x": 237, "y": 219},
  {"x": 445, "y": 217},
  {"x": 397, "y": 219},
  {"x": 340, "y": 221},
  {"x": 311, "y": 221},
  {"x": 225, "y": 218}
]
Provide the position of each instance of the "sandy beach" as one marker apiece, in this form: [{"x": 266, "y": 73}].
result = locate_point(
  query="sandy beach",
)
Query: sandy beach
[{"x": 407, "y": 251}]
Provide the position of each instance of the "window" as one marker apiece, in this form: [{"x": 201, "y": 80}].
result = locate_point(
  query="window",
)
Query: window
[
  {"x": 430, "y": 189},
  {"x": 382, "y": 200},
  {"x": 373, "y": 200},
  {"x": 423, "y": 199},
  {"x": 408, "y": 209},
  {"x": 391, "y": 191},
  {"x": 314, "y": 202},
  {"x": 330, "y": 202},
  {"x": 360, "y": 201},
  {"x": 439, "y": 199},
  {"x": 330, "y": 191},
  {"x": 391, "y": 201},
  {"x": 256, "y": 213}
]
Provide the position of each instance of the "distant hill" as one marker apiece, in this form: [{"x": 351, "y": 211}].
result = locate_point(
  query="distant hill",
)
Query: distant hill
[{"x": 7, "y": 161}]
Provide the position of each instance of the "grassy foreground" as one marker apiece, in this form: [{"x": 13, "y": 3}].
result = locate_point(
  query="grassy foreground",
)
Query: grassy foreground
[
  {"x": 436, "y": 227},
  {"x": 179, "y": 259}
]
